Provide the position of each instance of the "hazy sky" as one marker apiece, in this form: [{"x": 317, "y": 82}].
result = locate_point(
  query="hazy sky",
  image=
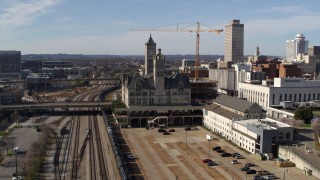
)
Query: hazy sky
[{"x": 103, "y": 26}]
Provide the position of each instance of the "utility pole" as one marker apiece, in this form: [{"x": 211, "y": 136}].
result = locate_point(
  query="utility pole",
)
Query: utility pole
[{"x": 15, "y": 150}]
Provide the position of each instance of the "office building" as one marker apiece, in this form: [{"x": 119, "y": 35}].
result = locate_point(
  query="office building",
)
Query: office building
[
  {"x": 297, "y": 47},
  {"x": 234, "y": 41},
  {"x": 10, "y": 63},
  {"x": 295, "y": 90}
]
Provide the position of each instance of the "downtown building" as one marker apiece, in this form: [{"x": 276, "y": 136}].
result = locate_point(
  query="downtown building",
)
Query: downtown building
[
  {"x": 244, "y": 124},
  {"x": 10, "y": 63},
  {"x": 234, "y": 41},
  {"x": 297, "y": 47}
]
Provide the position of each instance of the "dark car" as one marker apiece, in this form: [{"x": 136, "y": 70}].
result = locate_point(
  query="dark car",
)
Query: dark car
[
  {"x": 244, "y": 168},
  {"x": 220, "y": 151},
  {"x": 216, "y": 148},
  {"x": 166, "y": 133},
  {"x": 249, "y": 165},
  {"x": 187, "y": 129},
  {"x": 212, "y": 163},
  {"x": 171, "y": 130},
  {"x": 225, "y": 154},
  {"x": 235, "y": 154},
  {"x": 263, "y": 172},
  {"x": 251, "y": 171},
  {"x": 206, "y": 160}
]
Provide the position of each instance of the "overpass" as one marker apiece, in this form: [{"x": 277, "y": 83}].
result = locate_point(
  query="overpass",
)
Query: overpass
[
  {"x": 63, "y": 105},
  {"x": 106, "y": 81}
]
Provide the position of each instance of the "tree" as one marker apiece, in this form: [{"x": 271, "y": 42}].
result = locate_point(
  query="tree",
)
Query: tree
[
  {"x": 304, "y": 113},
  {"x": 117, "y": 104}
]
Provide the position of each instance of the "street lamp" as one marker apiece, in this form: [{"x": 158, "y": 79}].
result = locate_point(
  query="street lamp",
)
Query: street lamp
[
  {"x": 186, "y": 139},
  {"x": 15, "y": 150},
  {"x": 284, "y": 173}
]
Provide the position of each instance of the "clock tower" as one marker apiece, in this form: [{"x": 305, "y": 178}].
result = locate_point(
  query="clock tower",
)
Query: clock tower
[{"x": 150, "y": 51}]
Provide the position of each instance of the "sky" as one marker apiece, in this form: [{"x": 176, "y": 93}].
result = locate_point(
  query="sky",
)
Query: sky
[{"x": 105, "y": 26}]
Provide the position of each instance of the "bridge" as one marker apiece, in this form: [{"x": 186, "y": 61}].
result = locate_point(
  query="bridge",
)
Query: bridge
[
  {"x": 106, "y": 81},
  {"x": 65, "y": 105}
]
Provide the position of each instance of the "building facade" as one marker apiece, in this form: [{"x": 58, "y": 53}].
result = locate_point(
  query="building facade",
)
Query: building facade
[
  {"x": 243, "y": 123},
  {"x": 296, "y": 90},
  {"x": 156, "y": 89},
  {"x": 10, "y": 63},
  {"x": 234, "y": 41}
]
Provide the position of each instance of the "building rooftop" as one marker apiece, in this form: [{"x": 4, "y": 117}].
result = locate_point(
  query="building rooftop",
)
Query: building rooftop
[
  {"x": 221, "y": 111},
  {"x": 263, "y": 123},
  {"x": 234, "y": 103}
]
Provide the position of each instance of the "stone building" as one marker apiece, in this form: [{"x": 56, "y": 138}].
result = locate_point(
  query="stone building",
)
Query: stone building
[{"x": 155, "y": 88}]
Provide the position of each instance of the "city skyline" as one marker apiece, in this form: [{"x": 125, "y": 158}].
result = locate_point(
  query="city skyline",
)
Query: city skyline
[{"x": 61, "y": 26}]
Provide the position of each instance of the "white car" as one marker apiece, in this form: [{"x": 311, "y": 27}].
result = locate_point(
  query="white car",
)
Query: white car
[{"x": 18, "y": 178}]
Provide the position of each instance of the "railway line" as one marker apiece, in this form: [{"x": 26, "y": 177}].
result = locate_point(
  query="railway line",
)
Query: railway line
[{"x": 82, "y": 155}]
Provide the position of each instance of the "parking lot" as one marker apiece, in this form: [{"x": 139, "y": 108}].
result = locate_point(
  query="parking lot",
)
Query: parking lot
[{"x": 180, "y": 155}]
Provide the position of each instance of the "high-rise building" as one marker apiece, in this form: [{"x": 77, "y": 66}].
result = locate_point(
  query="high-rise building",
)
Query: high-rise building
[
  {"x": 296, "y": 47},
  {"x": 150, "y": 51},
  {"x": 10, "y": 63},
  {"x": 233, "y": 41}
]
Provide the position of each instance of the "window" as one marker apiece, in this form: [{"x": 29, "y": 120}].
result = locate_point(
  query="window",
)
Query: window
[
  {"x": 280, "y": 135},
  {"x": 288, "y": 135}
]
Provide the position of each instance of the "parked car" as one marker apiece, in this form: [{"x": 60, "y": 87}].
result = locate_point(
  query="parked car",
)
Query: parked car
[
  {"x": 166, "y": 133},
  {"x": 235, "y": 154},
  {"x": 256, "y": 177},
  {"x": 206, "y": 160},
  {"x": 162, "y": 130},
  {"x": 239, "y": 157},
  {"x": 216, "y": 148},
  {"x": 251, "y": 171},
  {"x": 225, "y": 154},
  {"x": 234, "y": 162},
  {"x": 187, "y": 129},
  {"x": 270, "y": 177},
  {"x": 18, "y": 178},
  {"x": 171, "y": 130},
  {"x": 263, "y": 172},
  {"x": 249, "y": 164},
  {"x": 244, "y": 168},
  {"x": 220, "y": 151},
  {"x": 130, "y": 156},
  {"x": 212, "y": 163}
]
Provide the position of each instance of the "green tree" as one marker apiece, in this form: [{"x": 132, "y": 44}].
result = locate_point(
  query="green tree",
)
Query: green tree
[
  {"x": 117, "y": 104},
  {"x": 304, "y": 114}
]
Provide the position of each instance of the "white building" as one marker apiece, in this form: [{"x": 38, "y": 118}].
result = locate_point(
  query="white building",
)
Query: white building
[
  {"x": 296, "y": 90},
  {"x": 296, "y": 47},
  {"x": 237, "y": 120},
  {"x": 228, "y": 79}
]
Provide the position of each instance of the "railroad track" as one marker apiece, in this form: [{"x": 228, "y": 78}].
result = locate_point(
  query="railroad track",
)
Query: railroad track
[{"x": 68, "y": 146}]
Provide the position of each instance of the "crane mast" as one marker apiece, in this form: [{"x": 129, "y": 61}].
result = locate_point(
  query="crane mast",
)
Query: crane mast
[{"x": 197, "y": 31}]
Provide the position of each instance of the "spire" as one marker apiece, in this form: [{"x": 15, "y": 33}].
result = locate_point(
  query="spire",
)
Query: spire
[
  {"x": 150, "y": 41},
  {"x": 257, "y": 51}
]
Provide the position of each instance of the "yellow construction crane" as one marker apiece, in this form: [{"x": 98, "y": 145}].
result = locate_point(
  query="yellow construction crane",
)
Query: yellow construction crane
[{"x": 197, "y": 31}]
